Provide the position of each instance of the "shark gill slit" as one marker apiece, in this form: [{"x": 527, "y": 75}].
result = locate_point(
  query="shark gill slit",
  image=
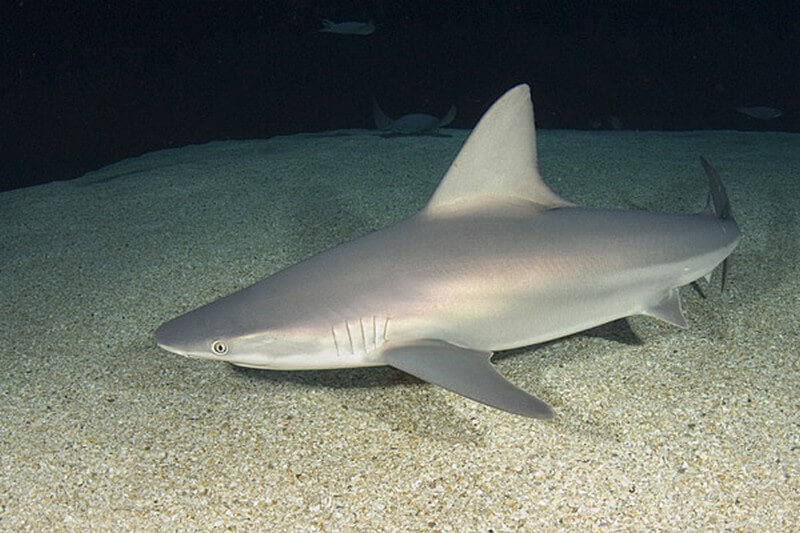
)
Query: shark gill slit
[
  {"x": 335, "y": 343},
  {"x": 363, "y": 335},
  {"x": 349, "y": 337}
]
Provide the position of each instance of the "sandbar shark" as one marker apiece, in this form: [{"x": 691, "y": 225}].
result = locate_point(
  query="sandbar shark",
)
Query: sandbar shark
[
  {"x": 760, "y": 112},
  {"x": 495, "y": 260},
  {"x": 347, "y": 28},
  {"x": 411, "y": 124}
]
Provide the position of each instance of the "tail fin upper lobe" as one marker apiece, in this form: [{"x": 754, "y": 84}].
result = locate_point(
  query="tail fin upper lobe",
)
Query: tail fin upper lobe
[
  {"x": 719, "y": 204},
  {"x": 718, "y": 198}
]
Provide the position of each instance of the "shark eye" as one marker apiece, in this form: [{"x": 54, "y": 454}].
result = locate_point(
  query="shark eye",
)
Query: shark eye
[{"x": 219, "y": 348}]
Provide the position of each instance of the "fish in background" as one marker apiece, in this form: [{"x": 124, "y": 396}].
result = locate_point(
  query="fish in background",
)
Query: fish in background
[
  {"x": 411, "y": 124},
  {"x": 348, "y": 28},
  {"x": 760, "y": 112}
]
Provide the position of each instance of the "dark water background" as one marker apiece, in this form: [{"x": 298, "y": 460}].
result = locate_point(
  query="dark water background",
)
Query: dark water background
[{"x": 84, "y": 84}]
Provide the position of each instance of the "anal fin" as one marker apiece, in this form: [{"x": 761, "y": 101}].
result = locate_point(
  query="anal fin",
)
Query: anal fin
[
  {"x": 466, "y": 372},
  {"x": 668, "y": 309}
]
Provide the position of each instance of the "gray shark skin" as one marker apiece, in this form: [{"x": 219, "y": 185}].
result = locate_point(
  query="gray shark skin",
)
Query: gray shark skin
[
  {"x": 496, "y": 260},
  {"x": 411, "y": 124}
]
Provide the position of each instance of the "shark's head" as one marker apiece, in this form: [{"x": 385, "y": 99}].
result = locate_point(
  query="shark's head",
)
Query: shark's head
[{"x": 220, "y": 331}]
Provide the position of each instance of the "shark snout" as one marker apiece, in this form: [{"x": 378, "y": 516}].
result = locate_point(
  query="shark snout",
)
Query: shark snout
[{"x": 171, "y": 336}]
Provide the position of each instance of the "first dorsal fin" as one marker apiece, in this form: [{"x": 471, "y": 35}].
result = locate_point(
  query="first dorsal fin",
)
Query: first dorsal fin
[{"x": 497, "y": 163}]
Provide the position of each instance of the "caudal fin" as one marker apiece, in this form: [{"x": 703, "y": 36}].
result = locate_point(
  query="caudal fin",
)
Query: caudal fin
[
  {"x": 719, "y": 204},
  {"x": 717, "y": 197},
  {"x": 449, "y": 117},
  {"x": 382, "y": 121}
]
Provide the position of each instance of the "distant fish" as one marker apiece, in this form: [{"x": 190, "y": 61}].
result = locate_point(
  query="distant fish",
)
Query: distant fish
[
  {"x": 760, "y": 112},
  {"x": 410, "y": 124},
  {"x": 348, "y": 28}
]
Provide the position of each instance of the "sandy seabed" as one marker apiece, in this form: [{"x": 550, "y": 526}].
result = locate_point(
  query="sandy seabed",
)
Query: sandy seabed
[{"x": 657, "y": 428}]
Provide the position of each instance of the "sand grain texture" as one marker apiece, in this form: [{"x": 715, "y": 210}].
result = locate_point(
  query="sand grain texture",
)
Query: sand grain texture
[{"x": 656, "y": 428}]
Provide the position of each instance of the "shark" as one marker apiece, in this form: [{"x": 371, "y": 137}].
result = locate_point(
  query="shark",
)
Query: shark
[
  {"x": 760, "y": 112},
  {"x": 411, "y": 124},
  {"x": 348, "y": 28},
  {"x": 495, "y": 260}
]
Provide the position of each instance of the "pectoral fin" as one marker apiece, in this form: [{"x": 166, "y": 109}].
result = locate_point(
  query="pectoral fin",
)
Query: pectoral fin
[{"x": 466, "y": 372}]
